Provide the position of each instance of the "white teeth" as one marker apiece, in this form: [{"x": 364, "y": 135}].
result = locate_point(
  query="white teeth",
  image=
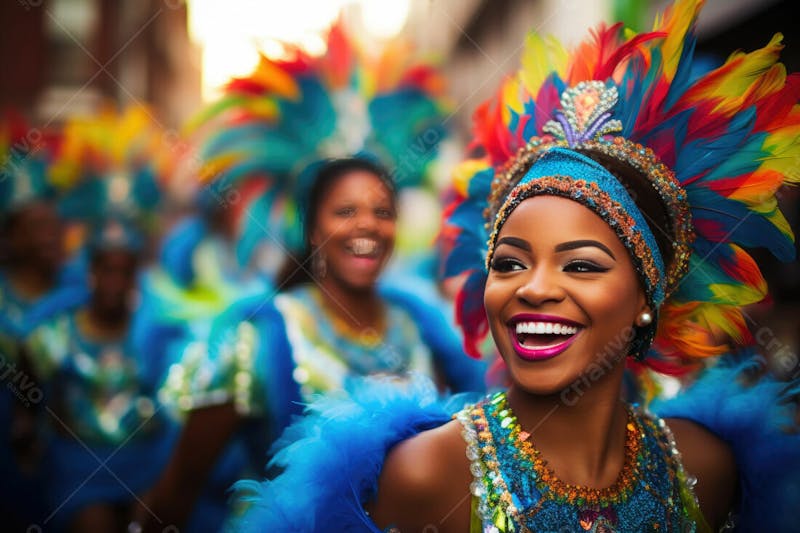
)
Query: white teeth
[
  {"x": 363, "y": 246},
  {"x": 546, "y": 328}
]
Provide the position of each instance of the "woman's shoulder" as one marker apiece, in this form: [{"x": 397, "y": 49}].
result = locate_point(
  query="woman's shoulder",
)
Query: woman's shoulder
[
  {"x": 711, "y": 461},
  {"x": 425, "y": 480},
  {"x": 739, "y": 410},
  {"x": 426, "y": 460}
]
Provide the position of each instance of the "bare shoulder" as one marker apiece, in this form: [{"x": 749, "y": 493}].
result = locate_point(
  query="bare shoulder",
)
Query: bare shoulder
[
  {"x": 711, "y": 461},
  {"x": 424, "y": 482}
]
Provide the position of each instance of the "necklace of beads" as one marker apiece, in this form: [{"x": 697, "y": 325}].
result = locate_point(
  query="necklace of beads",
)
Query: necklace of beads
[
  {"x": 368, "y": 336},
  {"x": 517, "y": 491}
]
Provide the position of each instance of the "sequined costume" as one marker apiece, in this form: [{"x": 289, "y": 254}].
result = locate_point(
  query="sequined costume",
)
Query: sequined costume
[
  {"x": 359, "y": 430},
  {"x": 268, "y": 356},
  {"x": 514, "y": 489},
  {"x": 510, "y": 479},
  {"x": 109, "y": 438}
]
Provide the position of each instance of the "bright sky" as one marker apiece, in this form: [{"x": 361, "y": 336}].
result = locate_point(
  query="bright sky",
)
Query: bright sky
[{"x": 231, "y": 33}]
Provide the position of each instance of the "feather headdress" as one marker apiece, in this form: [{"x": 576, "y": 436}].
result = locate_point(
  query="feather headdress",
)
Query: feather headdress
[
  {"x": 114, "y": 164},
  {"x": 721, "y": 144},
  {"x": 291, "y": 113}
]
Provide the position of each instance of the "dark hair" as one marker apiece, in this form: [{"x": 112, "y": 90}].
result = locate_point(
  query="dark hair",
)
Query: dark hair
[
  {"x": 326, "y": 174},
  {"x": 645, "y": 196}
]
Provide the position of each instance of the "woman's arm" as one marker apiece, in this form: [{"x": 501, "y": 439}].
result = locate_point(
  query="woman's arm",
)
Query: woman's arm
[
  {"x": 424, "y": 484},
  {"x": 171, "y": 501}
]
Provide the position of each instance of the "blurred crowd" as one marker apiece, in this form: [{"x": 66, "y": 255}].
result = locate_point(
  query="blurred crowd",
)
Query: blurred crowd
[{"x": 169, "y": 299}]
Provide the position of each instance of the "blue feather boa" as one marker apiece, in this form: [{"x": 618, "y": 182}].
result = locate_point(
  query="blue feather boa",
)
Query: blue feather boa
[
  {"x": 754, "y": 414},
  {"x": 332, "y": 458}
]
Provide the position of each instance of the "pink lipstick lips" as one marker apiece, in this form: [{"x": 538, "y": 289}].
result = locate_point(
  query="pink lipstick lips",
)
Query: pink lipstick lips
[{"x": 539, "y": 337}]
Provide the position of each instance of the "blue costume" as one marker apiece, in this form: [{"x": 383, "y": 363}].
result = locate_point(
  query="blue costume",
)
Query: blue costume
[
  {"x": 106, "y": 436},
  {"x": 358, "y": 431},
  {"x": 24, "y": 183},
  {"x": 109, "y": 437},
  {"x": 270, "y": 357}
]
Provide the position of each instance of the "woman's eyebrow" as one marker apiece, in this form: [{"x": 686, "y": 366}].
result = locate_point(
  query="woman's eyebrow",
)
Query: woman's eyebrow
[
  {"x": 572, "y": 245},
  {"x": 515, "y": 242}
]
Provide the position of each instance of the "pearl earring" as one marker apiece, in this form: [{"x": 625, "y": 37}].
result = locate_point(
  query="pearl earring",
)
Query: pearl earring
[{"x": 644, "y": 319}]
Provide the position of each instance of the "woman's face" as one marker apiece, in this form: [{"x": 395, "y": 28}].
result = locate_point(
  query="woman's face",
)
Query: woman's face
[
  {"x": 113, "y": 280},
  {"x": 355, "y": 229},
  {"x": 562, "y": 296}
]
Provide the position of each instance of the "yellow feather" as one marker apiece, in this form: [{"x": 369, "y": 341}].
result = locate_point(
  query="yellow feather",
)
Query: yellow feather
[
  {"x": 736, "y": 294},
  {"x": 676, "y": 22},
  {"x": 511, "y": 99},
  {"x": 262, "y": 108},
  {"x": 541, "y": 57},
  {"x": 464, "y": 172},
  {"x": 784, "y": 146},
  {"x": 743, "y": 74},
  {"x": 276, "y": 79}
]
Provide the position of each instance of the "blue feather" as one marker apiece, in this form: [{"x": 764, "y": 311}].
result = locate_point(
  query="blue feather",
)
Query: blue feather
[
  {"x": 470, "y": 246},
  {"x": 178, "y": 248},
  {"x": 703, "y": 154},
  {"x": 738, "y": 223},
  {"x": 254, "y": 228},
  {"x": 333, "y": 457},
  {"x": 757, "y": 421}
]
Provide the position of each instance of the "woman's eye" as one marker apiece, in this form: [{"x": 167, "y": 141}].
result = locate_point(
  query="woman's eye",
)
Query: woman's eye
[
  {"x": 505, "y": 264},
  {"x": 384, "y": 213},
  {"x": 346, "y": 212},
  {"x": 584, "y": 267}
]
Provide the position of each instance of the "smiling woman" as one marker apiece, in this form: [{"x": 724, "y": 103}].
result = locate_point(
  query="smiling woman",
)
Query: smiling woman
[
  {"x": 558, "y": 298},
  {"x": 350, "y": 225},
  {"x": 308, "y": 131},
  {"x": 329, "y": 324},
  {"x": 601, "y": 230}
]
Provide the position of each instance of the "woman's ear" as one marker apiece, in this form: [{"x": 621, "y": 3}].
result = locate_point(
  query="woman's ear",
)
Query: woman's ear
[
  {"x": 313, "y": 239},
  {"x": 645, "y": 314}
]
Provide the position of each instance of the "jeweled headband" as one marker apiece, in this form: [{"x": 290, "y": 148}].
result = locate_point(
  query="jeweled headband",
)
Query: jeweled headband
[
  {"x": 566, "y": 173},
  {"x": 559, "y": 170}
]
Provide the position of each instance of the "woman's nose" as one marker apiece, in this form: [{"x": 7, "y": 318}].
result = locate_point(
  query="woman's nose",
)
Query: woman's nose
[
  {"x": 365, "y": 220},
  {"x": 541, "y": 285}
]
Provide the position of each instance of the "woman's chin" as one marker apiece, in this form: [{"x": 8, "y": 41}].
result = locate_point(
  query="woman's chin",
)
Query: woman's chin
[
  {"x": 358, "y": 274},
  {"x": 543, "y": 380},
  {"x": 358, "y": 281}
]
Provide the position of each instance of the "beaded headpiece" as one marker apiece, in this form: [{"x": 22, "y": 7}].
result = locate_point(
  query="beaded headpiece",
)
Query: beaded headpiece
[
  {"x": 116, "y": 164},
  {"x": 713, "y": 149}
]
